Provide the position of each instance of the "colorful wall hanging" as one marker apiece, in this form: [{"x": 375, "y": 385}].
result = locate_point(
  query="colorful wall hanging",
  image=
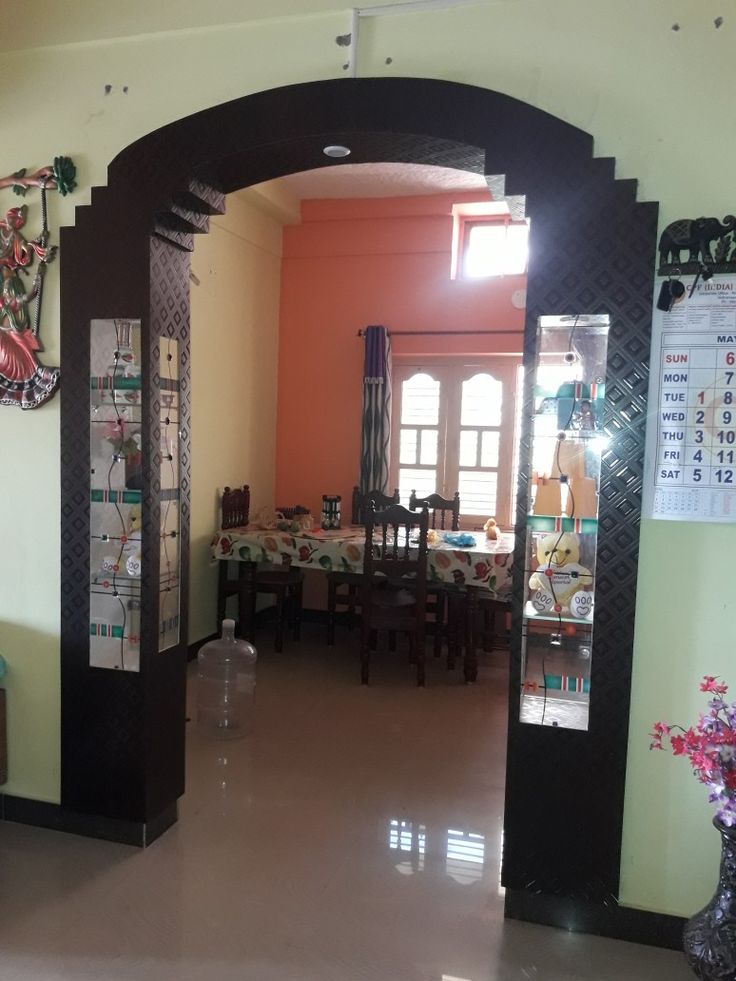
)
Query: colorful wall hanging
[{"x": 24, "y": 381}]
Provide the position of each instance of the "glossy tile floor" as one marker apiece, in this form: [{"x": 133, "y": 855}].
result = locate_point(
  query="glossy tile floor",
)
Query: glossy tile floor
[{"x": 354, "y": 837}]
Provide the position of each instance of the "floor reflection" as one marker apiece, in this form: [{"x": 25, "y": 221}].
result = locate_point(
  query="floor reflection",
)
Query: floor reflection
[
  {"x": 465, "y": 856},
  {"x": 463, "y": 852},
  {"x": 410, "y": 843}
]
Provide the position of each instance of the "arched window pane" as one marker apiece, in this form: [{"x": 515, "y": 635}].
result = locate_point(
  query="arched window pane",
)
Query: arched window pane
[
  {"x": 481, "y": 401},
  {"x": 420, "y": 401}
]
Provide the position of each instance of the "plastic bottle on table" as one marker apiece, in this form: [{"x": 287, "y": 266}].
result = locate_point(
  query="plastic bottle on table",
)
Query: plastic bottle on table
[{"x": 226, "y": 682}]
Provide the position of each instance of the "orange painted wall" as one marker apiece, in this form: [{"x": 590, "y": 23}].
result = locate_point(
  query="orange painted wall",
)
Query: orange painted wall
[{"x": 351, "y": 263}]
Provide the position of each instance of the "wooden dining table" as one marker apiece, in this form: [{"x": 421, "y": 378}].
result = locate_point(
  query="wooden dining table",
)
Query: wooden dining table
[{"x": 484, "y": 566}]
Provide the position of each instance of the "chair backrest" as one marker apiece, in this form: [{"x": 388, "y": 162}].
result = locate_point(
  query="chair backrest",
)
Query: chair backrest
[
  {"x": 361, "y": 502},
  {"x": 396, "y": 546},
  {"x": 235, "y": 507},
  {"x": 448, "y": 510}
]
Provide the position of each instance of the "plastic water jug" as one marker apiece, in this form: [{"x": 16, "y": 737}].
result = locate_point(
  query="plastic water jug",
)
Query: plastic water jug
[{"x": 226, "y": 684}]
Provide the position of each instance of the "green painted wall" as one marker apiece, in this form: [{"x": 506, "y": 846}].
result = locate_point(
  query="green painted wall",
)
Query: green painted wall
[{"x": 652, "y": 97}]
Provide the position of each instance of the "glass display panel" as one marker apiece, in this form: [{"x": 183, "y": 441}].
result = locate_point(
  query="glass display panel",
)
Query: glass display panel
[
  {"x": 170, "y": 527},
  {"x": 116, "y": 482},
  {"x": 562, "y": 522}
]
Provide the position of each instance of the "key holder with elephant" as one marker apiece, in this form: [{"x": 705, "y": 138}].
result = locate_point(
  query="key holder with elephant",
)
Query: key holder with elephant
[{"x": 711, "y": 246}]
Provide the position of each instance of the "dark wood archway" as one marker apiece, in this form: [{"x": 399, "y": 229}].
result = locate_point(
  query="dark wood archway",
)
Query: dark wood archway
[{"x": 592, "y": 250}]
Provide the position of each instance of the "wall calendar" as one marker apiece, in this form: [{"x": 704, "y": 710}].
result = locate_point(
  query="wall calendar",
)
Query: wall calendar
[{"x": 690, "y": 469}]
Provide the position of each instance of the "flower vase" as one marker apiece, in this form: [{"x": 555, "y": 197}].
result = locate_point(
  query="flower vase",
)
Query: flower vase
[
  {"x": 134, "y": 471},
  {"x": 709, "y": 937}
]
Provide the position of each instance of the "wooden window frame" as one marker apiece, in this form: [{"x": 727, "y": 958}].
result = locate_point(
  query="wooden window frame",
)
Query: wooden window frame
[
  {"x": 465, "y": 223},
  {"x": 450, "y": 372}
]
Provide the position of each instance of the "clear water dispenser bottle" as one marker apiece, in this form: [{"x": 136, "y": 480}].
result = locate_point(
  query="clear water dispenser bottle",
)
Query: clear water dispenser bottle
[{"x": 226, "y": 685}]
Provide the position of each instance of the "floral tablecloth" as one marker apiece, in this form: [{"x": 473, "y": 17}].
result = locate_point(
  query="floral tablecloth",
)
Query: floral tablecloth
[{"x": 485, "y": 564}]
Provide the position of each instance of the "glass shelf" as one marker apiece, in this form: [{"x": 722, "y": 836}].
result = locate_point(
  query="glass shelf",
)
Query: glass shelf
[
  {"x": 551, "y": 522},
  {"x": 107, "y": 384},
  {"x": 567, "y": 442},
  {"x": 99, "y": 496},
  {"x": 530, "y": 613}
]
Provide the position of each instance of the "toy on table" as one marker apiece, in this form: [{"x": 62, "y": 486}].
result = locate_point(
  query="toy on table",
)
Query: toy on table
[
  {"x": 491, "y": 529},
  {"x": 558, "y": 585}
]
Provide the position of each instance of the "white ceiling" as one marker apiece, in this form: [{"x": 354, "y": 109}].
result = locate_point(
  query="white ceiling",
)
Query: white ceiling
[{"x": 377, "y": 180}]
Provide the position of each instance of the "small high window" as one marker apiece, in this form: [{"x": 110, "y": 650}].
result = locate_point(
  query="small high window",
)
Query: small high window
[{"x": 491, "y": 246}]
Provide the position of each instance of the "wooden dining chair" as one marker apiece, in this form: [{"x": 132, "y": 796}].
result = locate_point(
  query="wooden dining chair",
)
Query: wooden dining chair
[
  {"x": 362, "y": 501},
  {"x": 235, "y": 507},
  {"x": 394, "y": 586},
  {"x": 343, "y": 587},
  {"x": 280, "y": 581},
  {"x": 444, "y": 514}
]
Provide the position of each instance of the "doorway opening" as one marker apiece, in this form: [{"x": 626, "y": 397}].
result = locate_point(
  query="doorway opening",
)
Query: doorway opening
[{"x": 591, "y": 248}]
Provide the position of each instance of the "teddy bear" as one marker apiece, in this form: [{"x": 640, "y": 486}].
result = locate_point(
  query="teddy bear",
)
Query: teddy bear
[{"x": 560, "y": 584}]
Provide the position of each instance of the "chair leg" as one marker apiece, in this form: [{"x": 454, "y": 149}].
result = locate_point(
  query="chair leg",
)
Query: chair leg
[
  {"x": 470, "y": 661},
  {"x": 331, "y": 603},
  {"x": 352, "y": 597},
  {"x": 365, "y": 652},
  {"x": 297, "y": 606},
  {"x": 246, "y": 601},
  {"x": 455, "y": 614},
  {"x": 221, "y": 596},
  {"x": 439, "y": 623},
  {"x": 279, "y": 643},
  {"x": 489, "y": 625},
  {"x": 419, "y": 644}
]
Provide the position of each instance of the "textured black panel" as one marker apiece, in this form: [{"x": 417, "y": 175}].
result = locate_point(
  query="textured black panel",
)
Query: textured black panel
[
  {"x": 165, "y": 674},
  {"x": 592, "y": 251}
]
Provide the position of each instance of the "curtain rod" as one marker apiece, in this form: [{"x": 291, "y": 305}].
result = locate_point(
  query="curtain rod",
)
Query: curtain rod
[{"x": 418, "y": 333}]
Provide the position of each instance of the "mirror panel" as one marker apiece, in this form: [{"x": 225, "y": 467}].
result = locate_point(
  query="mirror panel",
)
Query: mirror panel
[
  {"x": 567, "y": 441},
  {"x": 116, "y": 481}
]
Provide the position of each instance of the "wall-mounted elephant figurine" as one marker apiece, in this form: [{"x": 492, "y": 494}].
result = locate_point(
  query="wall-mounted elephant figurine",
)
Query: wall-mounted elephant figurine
[{"x": 695, "y": 234}]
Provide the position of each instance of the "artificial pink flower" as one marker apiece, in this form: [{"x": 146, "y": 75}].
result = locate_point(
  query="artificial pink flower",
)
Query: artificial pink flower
[
  {"x": 710, "y": 747},
  {"x": 709, "y": 684}
]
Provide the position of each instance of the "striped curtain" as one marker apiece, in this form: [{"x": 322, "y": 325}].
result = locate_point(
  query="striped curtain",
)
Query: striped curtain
[{"x": 376, "y": 431}]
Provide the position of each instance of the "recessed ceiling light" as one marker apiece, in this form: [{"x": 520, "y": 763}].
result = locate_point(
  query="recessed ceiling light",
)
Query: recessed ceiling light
[{"x": 336, "y": 151}]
